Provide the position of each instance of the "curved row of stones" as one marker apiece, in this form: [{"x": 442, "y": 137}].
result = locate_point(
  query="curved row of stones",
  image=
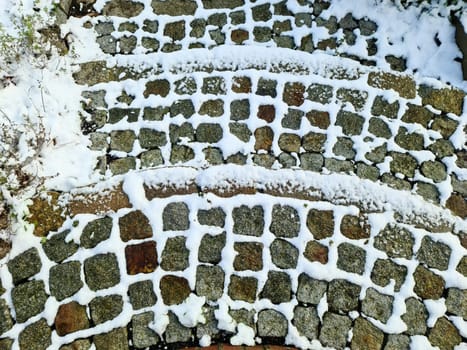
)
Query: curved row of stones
[
  {"x": 176, "y": 25},
  {"x": 258, "y": 260},
  {"x": 282, "y": 120}
]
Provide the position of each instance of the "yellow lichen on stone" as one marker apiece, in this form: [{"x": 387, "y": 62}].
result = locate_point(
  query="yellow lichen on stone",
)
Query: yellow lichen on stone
[
  {"x": 402, "y": 84},
  {"x": 46, "y": 214},
  {"x": 446, "y": 100}
]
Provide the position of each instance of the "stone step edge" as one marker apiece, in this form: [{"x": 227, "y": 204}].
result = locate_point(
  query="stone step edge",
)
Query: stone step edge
[
  {"x": 49, "y": 210},
  {"x": 234, "y": 58}
]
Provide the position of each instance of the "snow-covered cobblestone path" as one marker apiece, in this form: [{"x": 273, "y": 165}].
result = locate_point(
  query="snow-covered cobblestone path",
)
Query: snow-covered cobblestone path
[{"x": 269, "y": 172}]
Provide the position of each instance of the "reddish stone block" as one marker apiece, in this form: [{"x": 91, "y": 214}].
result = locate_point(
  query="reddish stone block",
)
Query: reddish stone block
[
  {"x": 70, "y": 318},
  {"x": 294, "y": 94},
  {"x": 315, "y": 251},
  {"x": 267, "y": 113},
  {"x": 141, "y": 258},
  {"x": 241, "y": 85}
]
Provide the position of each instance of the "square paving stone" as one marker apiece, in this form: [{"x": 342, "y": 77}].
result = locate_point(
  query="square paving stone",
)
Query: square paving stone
[
  {"x": 58, "y": 249},
  {"x": 266, "y": 113},
  {"x": 143, "y": 336},
  {"x": 175, "y": 217},
  {"x": 209, "y": 133},
  {"x": 212, "y": 217},
  {"x": 355, "y": 97},
  {"x": 175, "y": 254},
  {"x": 315, "y": 251},
  {"x": 264, "y": 137},
  {"x": 175, "y": 331},
  {"x": 36, "y": 336},
  {"x": 210, "y": 248},
  {"x": 241, "y": 84},
  {"x": 182, "y": 107},
  {"x": 285, "y": 221},
  {"x": 428, "y": 285},
  {"x": 213, "y": 85},
  {"x": 141, "y": 258},
  {"x": 397, "y": 342},
  {"x": 95, "y": 232},
  {"x": 319, "y": 93},
  {"x": 243, "y": 288},
  {"x": 415, "y": 317},
  {"x": 272, "y": 323},
  {"x": 266, "y": 87},
  {"x": 284, "y": 254},
  {"x": 351, "y": 258},
  {"x": 6, "y": 321},
  {"x": 117, "y": 114},
  {"x": 343, "y": 295},
  {"x": 351, "y": 123},
  {"x": 122, "y": 140},
  {"x": 71, "y": 317},
  {"x": 186, "y": 85},
  {"x": 314, "y": 141},
  {"x": 456, "y": 302},
  {"x": 134, "y": 225},
  {"x": 240, "y": 109},
  {"x": 334, "y": 330},
  {"x": 155, "y": 113},
  {"x": 310, "y": 290},
  {"x": 105, "y": 308},
  {"x": 319, "y": 119},
  {"x": 377, "y": 305},
  {"x": 150, "y": 138},
  {"x": 249, "y": 256},
  {"x": 366, "y": 336},
  {"x": 28, "y": 299},
  {"x": 434, "y": 254},
  {"x": 24, "y": 265},
  {"x": 289, "y": 142},
  {"x": 307, "y": 321},
  {"x": 212, "y": 108},
  {"x": 444, "y": 335},
  {"x": 292, "y": 119},
  {"x": 278, "y": 287},
  {"x": 176, "y": 31},
  {"x": 247, "y": 317},
  {"x": 210, "y": 327},
  {"x": 184, "y": 130},
  {"x": 181, "y": 154},
  {"x": 262, "y": 35},
  {"x": 209, "y": 282},
  {"x": 141, "y": 294},
  {"x": 355, "y": 227},
  {"x": 293, "y": 94},
  {"x": 385, "y": 270},
  {"x": 65, "y": 279},
  {"x": 101, "y": 271},
  {"x": 174, "y": 289},
  {"x": 320, "y": 223},
  {"x": 248, "y": 221},
  {"x": 395, "y": 241},
  {"x": 116, "y": 339}
]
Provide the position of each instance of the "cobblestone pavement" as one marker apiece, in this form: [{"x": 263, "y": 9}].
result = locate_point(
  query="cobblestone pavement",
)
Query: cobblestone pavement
[{"x": 262, "y": 257}]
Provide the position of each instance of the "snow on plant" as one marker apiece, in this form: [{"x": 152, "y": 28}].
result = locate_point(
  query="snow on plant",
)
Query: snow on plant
[{"x": 22, "y": 133}]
